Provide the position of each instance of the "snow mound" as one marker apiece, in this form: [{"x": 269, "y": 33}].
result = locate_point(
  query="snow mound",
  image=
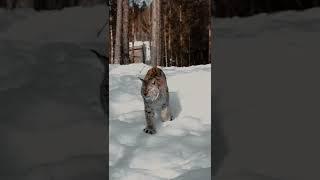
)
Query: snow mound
[{"x": 180, "y": 146}]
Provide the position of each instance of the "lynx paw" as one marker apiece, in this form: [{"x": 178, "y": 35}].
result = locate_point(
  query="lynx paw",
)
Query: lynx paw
[{"x": 149, "y": 130}]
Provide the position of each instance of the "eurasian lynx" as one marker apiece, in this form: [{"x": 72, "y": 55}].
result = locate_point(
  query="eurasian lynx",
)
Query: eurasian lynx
[{"x": 155, "y": 94}]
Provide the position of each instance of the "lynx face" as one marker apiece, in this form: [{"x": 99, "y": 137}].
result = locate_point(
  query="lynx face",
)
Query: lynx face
[{"x": 150, "y": 90}]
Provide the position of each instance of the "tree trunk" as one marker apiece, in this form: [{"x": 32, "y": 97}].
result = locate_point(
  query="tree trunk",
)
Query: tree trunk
[
  {"x": 133, "y": 36},
  {"x": 111, "y": 45},
  {"x": 209, "y": 33},
  {"x": 155, "y": 44},
  {"x": 117, "y": 51},
  {"x": 176, "y": 59},
  {"x": 150, "y": 37},
  {"x": 125, "y": 34},
  {"x": 169, "y": 37},
  {"x": 189, "y": 49},
  {"x": 158, "y": 34},
  {"x": 154, "y": 34},
  {"x": 180, "y": 34},
  {"x": 165, "y": 40}
]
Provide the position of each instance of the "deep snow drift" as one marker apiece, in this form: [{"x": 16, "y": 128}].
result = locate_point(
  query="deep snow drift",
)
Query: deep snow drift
[{"x": 180, "y": 146}]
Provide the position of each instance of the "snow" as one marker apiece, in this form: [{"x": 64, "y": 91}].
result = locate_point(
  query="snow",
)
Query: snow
[
  {"x": 181, "y": 145},
  {"x": 49, "y": 91},
  {"x": 51, "y": 117}
]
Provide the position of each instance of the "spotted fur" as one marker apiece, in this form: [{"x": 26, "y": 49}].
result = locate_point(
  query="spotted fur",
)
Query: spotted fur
[{"x": 155, "y": 94}]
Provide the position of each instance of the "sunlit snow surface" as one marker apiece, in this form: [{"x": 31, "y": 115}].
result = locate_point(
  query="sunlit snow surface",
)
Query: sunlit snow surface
[{"x": 180, "y": 146}]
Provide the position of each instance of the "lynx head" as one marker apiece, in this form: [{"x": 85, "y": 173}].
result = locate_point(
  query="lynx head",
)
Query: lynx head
[{"x": 150, "y": 89}]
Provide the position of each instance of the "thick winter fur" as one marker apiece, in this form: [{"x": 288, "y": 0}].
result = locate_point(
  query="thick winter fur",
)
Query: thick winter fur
[
  {"x": 155, "y": 94},
  {"x": 104, "y": 93}
]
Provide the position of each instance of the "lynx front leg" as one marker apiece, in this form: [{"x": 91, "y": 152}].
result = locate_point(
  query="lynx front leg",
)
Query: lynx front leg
[
  {"x": 150, "y": 116},
  {"x": 165, "y": 113}
]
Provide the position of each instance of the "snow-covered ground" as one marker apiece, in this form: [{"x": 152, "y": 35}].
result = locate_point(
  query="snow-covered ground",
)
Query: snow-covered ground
[
  {"x": 50, "y": 111},
  {"x": 49, "y": 98},
  {"x": 180, "y": 146}
]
